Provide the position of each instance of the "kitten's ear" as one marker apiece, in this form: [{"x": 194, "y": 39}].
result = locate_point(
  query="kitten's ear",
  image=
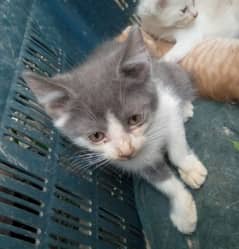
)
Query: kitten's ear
[
  {"x": 136, "y": 62},
  {"x": 52, "y": 97}
]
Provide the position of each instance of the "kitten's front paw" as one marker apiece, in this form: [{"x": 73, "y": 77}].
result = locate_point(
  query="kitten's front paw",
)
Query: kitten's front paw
[
  {"x": 193, "y": 172},
  {"x": 184, "y": 213}
]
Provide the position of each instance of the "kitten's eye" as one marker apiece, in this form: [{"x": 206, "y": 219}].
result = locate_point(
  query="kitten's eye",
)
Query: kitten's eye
[
  {"x": 184, "y": 9},
  {"x": 97, "y": 137},
  {"x": 135, "y": 120}
]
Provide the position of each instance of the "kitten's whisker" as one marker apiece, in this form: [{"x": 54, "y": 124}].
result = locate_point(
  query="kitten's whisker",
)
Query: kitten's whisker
[
  {"x": 101, "y": 165},
  {"x": 89, "y": 164},
  {"x": 85, "y": 164},
  {"x": 86, "y": 155}
]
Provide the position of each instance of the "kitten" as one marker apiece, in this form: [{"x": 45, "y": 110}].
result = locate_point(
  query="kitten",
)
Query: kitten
[
  {"x": 188, "y": 22},
  {"x": 129, "y": 108}
]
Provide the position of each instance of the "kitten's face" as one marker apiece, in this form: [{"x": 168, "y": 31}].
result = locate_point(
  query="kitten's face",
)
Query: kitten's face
[
  {"x": 170, "y": 13},
  {"x": 108, "y": 103}
]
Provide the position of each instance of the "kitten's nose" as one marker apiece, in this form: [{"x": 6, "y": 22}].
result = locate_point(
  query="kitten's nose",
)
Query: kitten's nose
[{"x": 126, "y": 151}]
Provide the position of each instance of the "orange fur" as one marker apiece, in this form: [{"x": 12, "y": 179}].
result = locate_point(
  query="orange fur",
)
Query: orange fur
[{"x": 214, "y": 65}]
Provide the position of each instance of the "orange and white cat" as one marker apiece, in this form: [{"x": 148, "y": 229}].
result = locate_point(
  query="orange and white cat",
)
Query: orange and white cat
[{"x": 188, "y": 22}]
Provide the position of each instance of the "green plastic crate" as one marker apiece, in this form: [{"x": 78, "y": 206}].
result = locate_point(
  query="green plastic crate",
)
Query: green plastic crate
[{"x": 43, "y": 204}]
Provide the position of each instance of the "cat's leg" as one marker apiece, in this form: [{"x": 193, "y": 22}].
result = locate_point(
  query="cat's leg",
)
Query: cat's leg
[
  {"x": 183, "y": 211},
  {"x": 191, "y": 170},
  {"x": 187, "y": 111}
]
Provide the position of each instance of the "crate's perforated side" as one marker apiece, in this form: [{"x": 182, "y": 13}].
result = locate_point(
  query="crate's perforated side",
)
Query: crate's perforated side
[
  {"x": 49, "y": 196},
  {"x": 21, "y": 204}
]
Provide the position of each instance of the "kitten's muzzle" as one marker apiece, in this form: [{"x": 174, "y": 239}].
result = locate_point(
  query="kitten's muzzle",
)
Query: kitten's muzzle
[
  {"x": 126, "y": 157},
  {"x": 126, "y": 151}
]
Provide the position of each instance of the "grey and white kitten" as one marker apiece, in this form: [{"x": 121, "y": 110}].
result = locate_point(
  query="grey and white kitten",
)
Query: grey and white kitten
[
  {"x": 188, "y": 22},
  {"x": 129, "y": 108}
]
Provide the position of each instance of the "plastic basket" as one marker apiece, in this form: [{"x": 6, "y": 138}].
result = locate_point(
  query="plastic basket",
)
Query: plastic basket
[{"x": 43, "y": 204}]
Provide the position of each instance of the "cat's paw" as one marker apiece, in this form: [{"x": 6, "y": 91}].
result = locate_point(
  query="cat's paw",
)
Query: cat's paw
[
  {"x": 184, "y": 213},
  {"x": 193, "y": 172},
  {"x": 187, "y": 111}
]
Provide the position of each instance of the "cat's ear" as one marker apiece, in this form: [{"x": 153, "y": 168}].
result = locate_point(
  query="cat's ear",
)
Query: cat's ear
[
  {"x": 136, "y": 61},
  {"x": 53, "y": 97}
]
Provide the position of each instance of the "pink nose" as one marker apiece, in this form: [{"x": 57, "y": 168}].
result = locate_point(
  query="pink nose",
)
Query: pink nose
[
  {"x": 126, "y": 152},
  {"x": 126, "y": 156}
]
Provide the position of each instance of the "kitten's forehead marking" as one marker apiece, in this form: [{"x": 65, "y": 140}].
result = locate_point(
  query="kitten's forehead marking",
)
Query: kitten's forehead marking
[{"x": 115, "y": 128}]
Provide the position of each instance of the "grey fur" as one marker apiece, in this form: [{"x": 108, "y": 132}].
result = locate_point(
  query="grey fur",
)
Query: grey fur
[{"x": 172, "y": 75}]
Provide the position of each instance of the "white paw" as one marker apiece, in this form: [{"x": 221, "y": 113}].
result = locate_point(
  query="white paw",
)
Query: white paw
[
  {"x": 193, "y": 172},
  {"x": 187, "y": 111},
  {"x": 184, "y": 213}
]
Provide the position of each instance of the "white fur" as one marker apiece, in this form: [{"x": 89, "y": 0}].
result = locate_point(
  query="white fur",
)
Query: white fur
[
  {"x": 183, "y": 209},
  {"x": 216, "y": 18},
  {"x": 61, "y": 121}
]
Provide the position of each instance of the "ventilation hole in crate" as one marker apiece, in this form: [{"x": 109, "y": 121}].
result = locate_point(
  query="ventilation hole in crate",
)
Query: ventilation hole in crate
[
  {"x": 19, "y": 236},
  {"x": 20, "y": 206},
  {"x": 16, "y": 177},
  {"x": 122, "y": 4},
  {"x": 118, "y": 177},
  {"x": 20, "y": 196},
  {"x": 135, "y": 19},
  {"x": 77, "y": 168},
  {"x": 69, "y": 61},
  {"x": 33, "y": 106},
  {"x": 135, "y": 231},
  {"x": 112, "y": 218},
  {"x": 18, "y": 224},
  {"x": 73, "y": 199},
  {"x": 34, "y": 39},
  {"x": 72, "y": 158},
  {"x": 26, "y": 142},
  {"x": 43, "y": 60},
  {"x": 65, "y": 219},
  {"x": 71, "y": 217},
  {"x": 67, "y": 242},
  {"x": 108, "y": 187},
  {"x": 125, "y": 3},
  {"x": 22, "y": 171},
  {"x": 29, "y": 122},
  {"x": 20, "y": 98},
  {"x": 112, "y": 238},
  {"x": 38, "y": 52},
  {"x": 23, "y": 84},
  {"x": 30, "y": 65}
]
